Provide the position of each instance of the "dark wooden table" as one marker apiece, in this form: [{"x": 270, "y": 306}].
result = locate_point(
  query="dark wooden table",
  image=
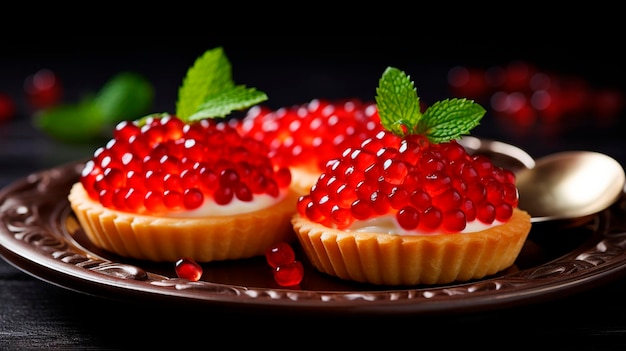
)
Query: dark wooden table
[{"x": 35, "y": 313}]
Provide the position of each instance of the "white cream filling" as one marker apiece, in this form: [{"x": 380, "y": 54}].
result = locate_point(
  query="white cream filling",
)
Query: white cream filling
[
  {"x": 236, "y": 206},
  {"x": 389, "y": 225}
]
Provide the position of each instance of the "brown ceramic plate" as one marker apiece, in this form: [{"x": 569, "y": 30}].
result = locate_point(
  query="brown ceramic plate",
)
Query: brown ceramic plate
[{"x": 40, "y": 235}]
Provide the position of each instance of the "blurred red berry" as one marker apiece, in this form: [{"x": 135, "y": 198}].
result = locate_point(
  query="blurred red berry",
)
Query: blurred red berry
[
  {"x": 607, "y": 103},
  {"x": 7, "y": 107},
  {"x": 43, "y": 89},
  {"x": 467, "y": 82},
  {"x": 517, "y": 76},
  {"x": 521, "y": 95}
]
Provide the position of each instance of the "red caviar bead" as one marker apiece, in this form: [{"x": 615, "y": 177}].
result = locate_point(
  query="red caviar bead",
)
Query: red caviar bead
[
  {"x": 469, "y": 209},
  {"x": 279, "y": 254},
  {"x": 189, "y": 269},
  {"x": 360, "y": 209},
  {"x": 486, "y": 212},
  {"x": 290, "y": 274},
  {"x": 341, "y": 216},
  {"x": 504, "y": 211},
  {"x": 408, "y": 217},
  {"x": 431, "y": 219},
  {"x": 153, "y": 202},
  {"x": 172, "y": 199},
  {"x": 420, "y": 200},
  {"x": 192, "y": 198},
  {"x": 454, "y": 220}
]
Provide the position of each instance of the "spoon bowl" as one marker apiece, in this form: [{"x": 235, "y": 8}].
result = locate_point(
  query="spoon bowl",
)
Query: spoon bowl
[
  {"x": 563, "y": 188},
  {"x": 569, "y": 185}
]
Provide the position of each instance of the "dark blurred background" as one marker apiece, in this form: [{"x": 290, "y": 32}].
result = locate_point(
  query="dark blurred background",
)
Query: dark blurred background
[{"x": 319, "y": 51}]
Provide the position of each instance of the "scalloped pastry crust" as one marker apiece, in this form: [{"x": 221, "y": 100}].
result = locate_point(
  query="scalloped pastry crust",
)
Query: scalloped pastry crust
[
  {"x": 387, "y": 259},
  {"x": 169, "y": 239}
]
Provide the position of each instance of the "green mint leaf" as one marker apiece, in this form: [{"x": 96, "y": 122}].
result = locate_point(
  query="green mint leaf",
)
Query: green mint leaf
[
  {"x": 397, "y": 102},
  {"x": 208, "y": 89},
  {"x": 210, "y": 74},
  {"x": 72, "y": 123},
  {"x": 399, "y": 110},
  {"x": 450, "y": 119},
  {"x": 228, "y": 100},
  {"x": 126, "y": 96}
]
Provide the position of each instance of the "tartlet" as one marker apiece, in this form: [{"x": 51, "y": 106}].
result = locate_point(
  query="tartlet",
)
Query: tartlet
[
  {"x": 186, "y": 185},
  {"x": 410, "y": 206},
  {"x": 162, "y": 238}
]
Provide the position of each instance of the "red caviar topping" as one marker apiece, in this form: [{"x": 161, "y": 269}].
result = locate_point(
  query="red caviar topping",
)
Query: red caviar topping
[
  {"x": 167, "y": 165},
  {"x": 427, "y": 186},
  {"x": 299, "y": 135}
]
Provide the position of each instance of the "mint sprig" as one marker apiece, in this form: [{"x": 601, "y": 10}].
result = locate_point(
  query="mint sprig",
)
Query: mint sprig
[
  {"x": 127, "y": 95},
  {"x": 208, "y": 89},
  {"x": 399, "y": 109}
]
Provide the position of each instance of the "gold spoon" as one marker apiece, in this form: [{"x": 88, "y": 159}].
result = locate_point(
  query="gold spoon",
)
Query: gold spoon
[
  {"x": 564, "y": 186},
  {"x": 569, "y": 185}
]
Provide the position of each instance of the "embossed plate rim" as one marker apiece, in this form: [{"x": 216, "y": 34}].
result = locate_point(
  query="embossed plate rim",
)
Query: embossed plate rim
[{"x": 65, "y": 264}]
